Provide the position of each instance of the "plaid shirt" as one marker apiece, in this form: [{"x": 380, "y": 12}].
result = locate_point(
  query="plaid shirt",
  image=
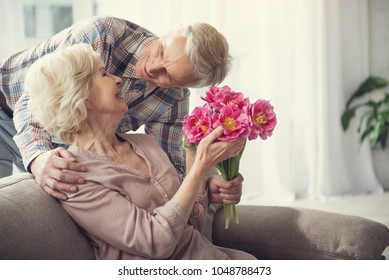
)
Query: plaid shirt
[{"x": 120, "y": 43}]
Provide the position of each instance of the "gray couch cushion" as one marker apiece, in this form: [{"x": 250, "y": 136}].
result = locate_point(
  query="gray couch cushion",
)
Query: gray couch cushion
[
  {"x": 305, "y": 234},
  {"x": 34, "y": 226}
]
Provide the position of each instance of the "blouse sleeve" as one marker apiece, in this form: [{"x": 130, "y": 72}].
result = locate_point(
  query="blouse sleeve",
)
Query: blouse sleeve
[
  {"x": 199, "y": 213},
  {"x": 103, "y": 211}
]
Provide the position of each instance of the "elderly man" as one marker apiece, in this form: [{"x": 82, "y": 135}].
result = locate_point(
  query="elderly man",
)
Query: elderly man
[{"x": 155, "y": 73}]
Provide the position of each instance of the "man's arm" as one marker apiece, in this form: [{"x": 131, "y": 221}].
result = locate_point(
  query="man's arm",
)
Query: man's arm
[
  {"x": 221, "y": 191},
  {"x": 34, "y": 143},
  {"x": 30, "y": 138},
  {"x": 39, "y": 158}
]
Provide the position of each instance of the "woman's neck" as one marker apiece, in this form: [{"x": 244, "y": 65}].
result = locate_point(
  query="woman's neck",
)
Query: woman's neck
[{"x": 100, "y": 139}]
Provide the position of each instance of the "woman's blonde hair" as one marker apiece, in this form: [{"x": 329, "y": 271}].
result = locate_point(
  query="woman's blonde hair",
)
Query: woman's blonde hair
[
  {"x": 208, "y": 52},
  {"x": 58, "y": 85}
]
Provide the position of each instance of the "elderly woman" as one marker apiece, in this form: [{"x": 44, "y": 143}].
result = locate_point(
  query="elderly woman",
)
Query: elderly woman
[{"x": 132, "y": 205}]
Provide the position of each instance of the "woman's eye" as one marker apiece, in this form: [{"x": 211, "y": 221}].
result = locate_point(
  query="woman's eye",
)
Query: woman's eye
[{"x": 161, "y": 51}]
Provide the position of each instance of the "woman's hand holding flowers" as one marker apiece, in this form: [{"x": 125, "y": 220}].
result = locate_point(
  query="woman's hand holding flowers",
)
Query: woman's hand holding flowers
[{"x": 209, "y": 152}]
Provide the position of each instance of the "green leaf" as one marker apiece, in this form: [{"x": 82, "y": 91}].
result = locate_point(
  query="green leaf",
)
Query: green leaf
[
  {"x": 189, "y": 147},
  {"x": 380, "y": 133},
  {"x": 383, "y": 116},
  {"x": 382, "y": 138},
  {"x": 365, "y": 134},
  {"x": 349, "y": 113},
  {"x": 374, "y": 135},
  {"x": 346, "y": 117},
  {"x": 370, "y": 84},
  {"x": 386, "y": 99},
  {"x": 374, "y": 123}
]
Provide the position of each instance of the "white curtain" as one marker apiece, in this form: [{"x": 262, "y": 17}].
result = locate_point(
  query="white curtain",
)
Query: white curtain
[
  {"x": 312, "y": 55},
  {"x": 306, "y": 57}
]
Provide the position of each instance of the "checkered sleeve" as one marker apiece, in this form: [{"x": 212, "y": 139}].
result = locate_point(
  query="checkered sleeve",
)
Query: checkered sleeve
[{"x": 31, "y": 139}]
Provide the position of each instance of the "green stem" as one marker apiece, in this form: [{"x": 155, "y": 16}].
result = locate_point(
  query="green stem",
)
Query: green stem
[
  {"x": 229, "y": 169},
  {"x": 230, "y": 211},
  {"x": 227, "y": 216}
]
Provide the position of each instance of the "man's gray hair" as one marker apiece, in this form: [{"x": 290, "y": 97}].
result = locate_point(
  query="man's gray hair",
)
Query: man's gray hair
[{"x": 208, "y": 52}]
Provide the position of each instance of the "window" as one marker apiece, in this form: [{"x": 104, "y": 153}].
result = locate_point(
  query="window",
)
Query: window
[
  {"x": 28, "y": 22},
  {"x": 45, "y": 18}
]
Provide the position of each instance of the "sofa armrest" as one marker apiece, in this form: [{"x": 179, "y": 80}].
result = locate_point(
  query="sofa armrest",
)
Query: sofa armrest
[
  {"x": 34, "y": 226},
  {"x": 273, "y": 232}
]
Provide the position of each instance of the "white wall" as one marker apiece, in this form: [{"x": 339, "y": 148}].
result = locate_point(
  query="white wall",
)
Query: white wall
[{"x": 379, "y": 37}]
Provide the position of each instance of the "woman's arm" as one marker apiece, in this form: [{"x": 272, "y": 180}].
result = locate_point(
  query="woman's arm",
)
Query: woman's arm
[
  {"x": 106, "y": 214},
  {"x": 208, "y": 154}
]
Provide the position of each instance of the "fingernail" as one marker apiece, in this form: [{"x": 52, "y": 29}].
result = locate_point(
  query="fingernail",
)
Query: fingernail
[
  {"x": 73, "y": 189},
  {"x": 81, "y": 181},
  {"x": 83, "y": 168}
]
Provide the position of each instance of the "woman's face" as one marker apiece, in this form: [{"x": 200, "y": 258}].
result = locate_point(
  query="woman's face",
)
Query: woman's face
[
  {"x": 165, "y": 64},
  {"x": 105, "y": 93}
]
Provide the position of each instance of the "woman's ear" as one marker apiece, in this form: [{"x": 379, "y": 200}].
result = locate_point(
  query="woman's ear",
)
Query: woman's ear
[{"x": 88, "y": 104}]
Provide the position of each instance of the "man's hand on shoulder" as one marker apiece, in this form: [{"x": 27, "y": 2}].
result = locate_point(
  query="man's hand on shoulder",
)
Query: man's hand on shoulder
[{"x": 48, "y": 171}]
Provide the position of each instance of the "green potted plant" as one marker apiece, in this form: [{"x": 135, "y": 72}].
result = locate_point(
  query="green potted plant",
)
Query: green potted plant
[
  {"x": 374, "y": 122},
  {"x": 372, "y": 98}
]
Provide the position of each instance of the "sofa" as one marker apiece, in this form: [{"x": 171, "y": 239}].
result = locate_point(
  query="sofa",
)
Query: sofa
[{"x": 33, "y": 226}]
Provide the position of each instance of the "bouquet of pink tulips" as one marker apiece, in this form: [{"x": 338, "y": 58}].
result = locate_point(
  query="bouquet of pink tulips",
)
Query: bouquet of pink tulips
[{"x": 239, "y": 119}]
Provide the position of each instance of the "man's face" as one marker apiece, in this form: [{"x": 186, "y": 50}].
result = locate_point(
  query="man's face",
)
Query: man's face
[{"x": 165, "y": 64}]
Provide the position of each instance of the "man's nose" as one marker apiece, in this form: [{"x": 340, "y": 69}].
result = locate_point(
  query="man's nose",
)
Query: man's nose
[{"x": 155, "y": 67}]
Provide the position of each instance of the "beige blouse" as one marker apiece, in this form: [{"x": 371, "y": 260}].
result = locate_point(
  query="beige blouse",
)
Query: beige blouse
[{"x": 129, "y": 215}]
